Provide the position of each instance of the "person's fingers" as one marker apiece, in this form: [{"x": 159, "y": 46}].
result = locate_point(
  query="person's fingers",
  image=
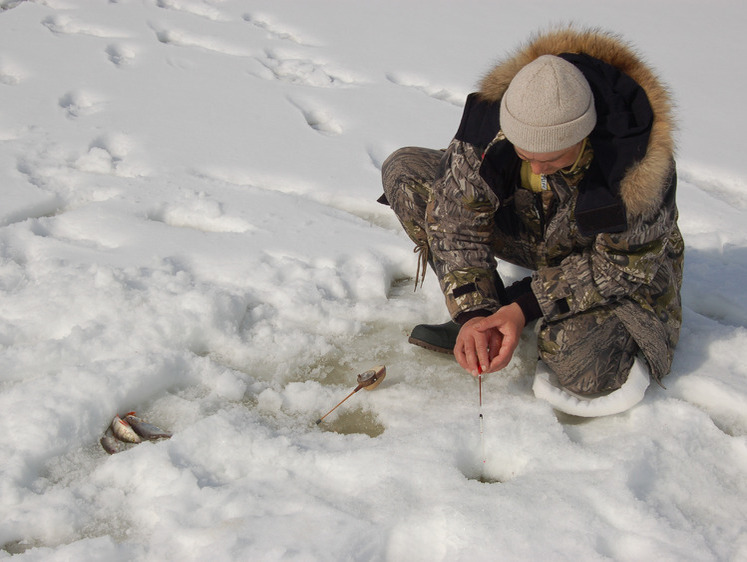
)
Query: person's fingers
[
  {"x": 487, "y": 323},
  {"x": 505, "y": 352},
  {"x": 482, "y": 345},
  {"x": 473, "y": 364},
  {"x": 495, "y": 339},
  {"x": 471, "y": 350}
]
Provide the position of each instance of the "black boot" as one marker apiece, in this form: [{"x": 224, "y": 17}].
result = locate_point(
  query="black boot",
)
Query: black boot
[{"x": 436, "y": 337}]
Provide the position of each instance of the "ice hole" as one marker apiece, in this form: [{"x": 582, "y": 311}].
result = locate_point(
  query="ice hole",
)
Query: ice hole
[
  {"x": 354, "y": 421},
  {"x": 471, "y": 465},
  {"x": 480, "y": 474}
]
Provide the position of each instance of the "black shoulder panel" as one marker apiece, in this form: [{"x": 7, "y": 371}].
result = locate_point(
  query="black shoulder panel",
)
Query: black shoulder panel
[
  {"x": 619, "y": 139},
  {"x": 480, "y": 121}
]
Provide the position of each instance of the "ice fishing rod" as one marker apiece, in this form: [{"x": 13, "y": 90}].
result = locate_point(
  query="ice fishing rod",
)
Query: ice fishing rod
[
  {"x": 482, "y": 432},
  {"x": 368, "y": 380}
]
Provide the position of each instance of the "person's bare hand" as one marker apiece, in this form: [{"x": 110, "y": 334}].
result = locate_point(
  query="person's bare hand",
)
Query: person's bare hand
[{"x": 486, "y": 345}]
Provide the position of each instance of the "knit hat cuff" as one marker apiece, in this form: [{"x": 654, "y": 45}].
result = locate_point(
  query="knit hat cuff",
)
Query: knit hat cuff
[{"x": 547, "y": 138}]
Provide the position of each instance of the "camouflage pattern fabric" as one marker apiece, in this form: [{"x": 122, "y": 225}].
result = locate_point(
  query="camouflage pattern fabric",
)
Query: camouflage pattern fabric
[
  {"x": 590, "y": 353},
  {"x": 408, "y": 177},
  {"x": 603, "y": 297}
]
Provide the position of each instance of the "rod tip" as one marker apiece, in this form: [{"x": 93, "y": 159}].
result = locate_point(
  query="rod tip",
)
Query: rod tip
[{"x": 318, "y": 421}]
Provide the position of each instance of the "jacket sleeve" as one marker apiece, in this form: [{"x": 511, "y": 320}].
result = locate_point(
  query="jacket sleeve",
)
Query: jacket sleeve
[
  {"x": 614, "y": 267},
  {"x": 459, "y": 221}
]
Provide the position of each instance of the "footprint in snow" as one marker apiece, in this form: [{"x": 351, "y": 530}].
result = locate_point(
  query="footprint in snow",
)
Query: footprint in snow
[
  {"x": 200, "y": 213},
  {"x": 79, "y": 103},
  {"x": 200, "y": 9},
  {"x": 436, "y": 92},
  {"x": 120, "y": 55},
  {"x": 317, "y": 118},
  {"x": 179, "y": 38},
  {"x": 65, "y": 25},
  {"x": 729, "y": 190},
  {"x": 275, "y": 31},
  {"x": 111, "y": 154},
  {"x": 10, "y": 73},
  {"x": 9, "y": 4},
  {"x": 304, "y": 70}
]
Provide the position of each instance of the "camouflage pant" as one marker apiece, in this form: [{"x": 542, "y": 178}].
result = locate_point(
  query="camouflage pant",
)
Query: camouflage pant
[{"x": 590, "y": 352}]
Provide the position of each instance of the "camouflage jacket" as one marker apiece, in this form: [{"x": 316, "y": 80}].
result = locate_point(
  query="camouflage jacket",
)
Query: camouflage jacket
[{"x": 607, "y": 237}]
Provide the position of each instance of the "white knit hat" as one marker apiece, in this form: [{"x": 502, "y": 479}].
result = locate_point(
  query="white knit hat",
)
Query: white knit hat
[{"x": 548, "y": 106}]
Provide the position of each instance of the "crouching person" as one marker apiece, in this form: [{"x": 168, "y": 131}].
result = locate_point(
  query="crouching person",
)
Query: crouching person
[{"x": 563, "y": 164}]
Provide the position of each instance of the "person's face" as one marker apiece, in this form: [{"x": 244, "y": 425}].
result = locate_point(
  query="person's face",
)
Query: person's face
[{"x": 550, "y": 162}]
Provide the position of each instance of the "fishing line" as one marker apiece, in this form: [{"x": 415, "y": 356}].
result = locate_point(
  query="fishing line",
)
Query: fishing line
[{"x": 482, "y": 421}]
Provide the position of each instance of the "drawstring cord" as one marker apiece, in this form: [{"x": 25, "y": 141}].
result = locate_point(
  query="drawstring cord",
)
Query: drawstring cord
[{"x": 421, "y": 249}]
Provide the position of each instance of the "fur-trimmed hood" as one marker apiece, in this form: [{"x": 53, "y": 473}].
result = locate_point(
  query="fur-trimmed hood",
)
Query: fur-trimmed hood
[{"x": 644, "y": 183}]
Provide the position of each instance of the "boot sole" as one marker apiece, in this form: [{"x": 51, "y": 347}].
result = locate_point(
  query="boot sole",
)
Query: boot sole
[{"x": 430, "y": 346}]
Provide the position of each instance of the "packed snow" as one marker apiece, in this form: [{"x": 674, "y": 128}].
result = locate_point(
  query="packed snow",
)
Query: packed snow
[{"x": 189, "y": 230}]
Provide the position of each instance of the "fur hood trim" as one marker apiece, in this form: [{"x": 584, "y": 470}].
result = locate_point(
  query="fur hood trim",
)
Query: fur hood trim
[{"x": 642, "y": 189}]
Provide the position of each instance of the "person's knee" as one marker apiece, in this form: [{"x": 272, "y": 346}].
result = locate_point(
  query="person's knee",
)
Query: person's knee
[
  {"x": 394, "y": 165},
  {"x": 595, "y": 375},
  {"x": 589, "y": 354},
  {"x": 393, "y": 172}
]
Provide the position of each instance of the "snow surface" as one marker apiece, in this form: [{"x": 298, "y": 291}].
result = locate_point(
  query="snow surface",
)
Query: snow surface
[{"x": 188, "y": 229}]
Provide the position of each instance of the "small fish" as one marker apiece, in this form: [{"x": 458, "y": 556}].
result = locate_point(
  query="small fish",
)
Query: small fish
[
  {"x": 123, "y": 431},
  {"x": 111, "y": 444},
  {"x": 144, "y": 429}
]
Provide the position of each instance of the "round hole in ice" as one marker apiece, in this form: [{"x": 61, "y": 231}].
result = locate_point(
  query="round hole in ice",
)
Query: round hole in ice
[{"x": 353, "y": 421}]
